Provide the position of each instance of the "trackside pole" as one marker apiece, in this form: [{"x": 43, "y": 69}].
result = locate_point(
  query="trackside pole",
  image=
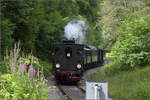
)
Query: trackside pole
[{"x": 95, "y": 92}]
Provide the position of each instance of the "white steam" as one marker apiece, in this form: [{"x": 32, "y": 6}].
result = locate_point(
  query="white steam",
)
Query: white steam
[{"x": 76, "y": 29}]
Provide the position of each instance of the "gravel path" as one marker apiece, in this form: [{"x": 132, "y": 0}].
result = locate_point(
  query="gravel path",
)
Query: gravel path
[
  {"x": 73, "y": 92},
  {"x": 54, "y": 93}
]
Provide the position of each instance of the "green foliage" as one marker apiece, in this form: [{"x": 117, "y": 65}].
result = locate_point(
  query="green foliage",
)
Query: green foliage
[
  {"x": 132, "y": 47},
  {"x": 22, "y": 14},
  {"x": 6, "y": 36},
  {"x": 37, "y": 63},
  {"x": 141, "y": 91},
  {"x": 28, "y": 60},
  {"x": 40, "y": 24},
  {"x": 112, "y": 68},
  {"x": 93, "y": 37},
  {"x": 22, "y": 77},
  {"x": 47, "y": 68},
  {"x": 3, "y": 67},
  {"x": 51, "y": 30},
  {"x": 89, "y": 9},
  {"x": 14, "y": 87},
  {"x": 125, "y": 28},
  {"x": 113, "y": 14}
]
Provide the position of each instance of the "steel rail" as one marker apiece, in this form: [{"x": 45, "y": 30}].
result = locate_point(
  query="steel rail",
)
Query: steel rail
[{"x": 63, "y": 92}]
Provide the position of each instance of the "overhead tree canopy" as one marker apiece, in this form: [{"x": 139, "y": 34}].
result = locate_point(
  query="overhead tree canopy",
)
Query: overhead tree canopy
[{"x": 38, "y": 24}]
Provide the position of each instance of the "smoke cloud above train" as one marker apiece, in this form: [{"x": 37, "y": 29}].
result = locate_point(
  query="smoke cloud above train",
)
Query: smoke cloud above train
[{"x": 76, "y": 29}]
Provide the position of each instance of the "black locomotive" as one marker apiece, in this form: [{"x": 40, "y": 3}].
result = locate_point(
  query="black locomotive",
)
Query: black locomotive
[{"x": 70, "y": 60}]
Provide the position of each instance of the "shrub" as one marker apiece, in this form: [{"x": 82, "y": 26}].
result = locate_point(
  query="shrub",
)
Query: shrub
[
  {"x": 22, "y": 80},
  {"x": 132, "y": 47},
  {"x": 3, "y": 67},
  {"x": 37, "y": 63},
  {"x": 112, "y": 68}
]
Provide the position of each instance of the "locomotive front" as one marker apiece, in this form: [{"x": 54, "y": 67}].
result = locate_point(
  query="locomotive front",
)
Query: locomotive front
[{"x": 68, "y": 61}]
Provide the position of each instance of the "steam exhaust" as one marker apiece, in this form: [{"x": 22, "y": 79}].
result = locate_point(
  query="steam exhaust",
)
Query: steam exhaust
[{"x": 76, "y": 29}]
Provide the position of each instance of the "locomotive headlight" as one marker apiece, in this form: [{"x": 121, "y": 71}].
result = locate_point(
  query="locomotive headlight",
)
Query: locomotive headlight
[
  {"x": 57, "y": 65},
  {"x": 68, "y": 55},
  {"x": 79, "y": 66}
]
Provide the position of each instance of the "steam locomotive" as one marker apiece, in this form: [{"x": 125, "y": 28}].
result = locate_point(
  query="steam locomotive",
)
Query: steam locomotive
[{"x": 70, "y": 60}]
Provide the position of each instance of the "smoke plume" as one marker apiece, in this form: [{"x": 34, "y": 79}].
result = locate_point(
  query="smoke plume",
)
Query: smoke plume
[{"x": 76, "y": 29}]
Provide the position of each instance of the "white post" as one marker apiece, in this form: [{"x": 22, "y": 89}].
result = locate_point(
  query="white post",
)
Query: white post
[{"x": 95, "y": 92}]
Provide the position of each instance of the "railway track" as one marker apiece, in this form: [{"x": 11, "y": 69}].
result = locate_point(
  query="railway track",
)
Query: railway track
[
  {"x": 72, "y": 92},
  {"x": 81, "y": 88},
  {"x": 76, "y": 92}
]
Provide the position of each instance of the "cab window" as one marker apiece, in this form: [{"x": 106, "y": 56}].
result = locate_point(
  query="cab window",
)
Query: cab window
[{"x": 68, "y": 52}]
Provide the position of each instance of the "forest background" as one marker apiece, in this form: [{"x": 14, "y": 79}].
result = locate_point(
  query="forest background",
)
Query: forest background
[{"x": 39, "y": 24}]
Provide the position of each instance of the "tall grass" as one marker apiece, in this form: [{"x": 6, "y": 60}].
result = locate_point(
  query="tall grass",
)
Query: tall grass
[{"x": 127, "y": 85}]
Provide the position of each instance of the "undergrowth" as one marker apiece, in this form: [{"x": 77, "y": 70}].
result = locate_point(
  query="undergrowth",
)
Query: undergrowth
[
  {"x": 22, "y": 77},
  {"x": 47, "y": 67}
]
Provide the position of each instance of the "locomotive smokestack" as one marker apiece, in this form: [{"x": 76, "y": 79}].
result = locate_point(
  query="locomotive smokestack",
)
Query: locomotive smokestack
[{"x": 69, "y": 41}]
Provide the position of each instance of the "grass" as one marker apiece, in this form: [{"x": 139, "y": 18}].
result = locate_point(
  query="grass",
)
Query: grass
[{"x": 127, "y": 85}]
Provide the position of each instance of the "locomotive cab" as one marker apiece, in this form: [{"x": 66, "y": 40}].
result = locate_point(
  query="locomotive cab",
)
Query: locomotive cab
[{"x": 68, "y": 60}]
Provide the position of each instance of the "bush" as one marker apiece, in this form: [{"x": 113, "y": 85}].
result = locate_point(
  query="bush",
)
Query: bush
[
  {"x": 38, "y": 63},
  {"x": 23, "y": 78},
  {"x": 112, "y": 68},
  {"x": 132, "y": 47},
  {"x": 3, "y": 67}
]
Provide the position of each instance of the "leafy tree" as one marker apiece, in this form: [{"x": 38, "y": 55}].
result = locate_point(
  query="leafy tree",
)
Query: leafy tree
[
  {"x": 38, "y": 24},
  {"x": 132, "y": 47},
  {"x": 22, "y": 15},
  {"x": 94, "y": 36},
  {"x": 114, "y": 12},
  {"x": 6, "y": 37}
]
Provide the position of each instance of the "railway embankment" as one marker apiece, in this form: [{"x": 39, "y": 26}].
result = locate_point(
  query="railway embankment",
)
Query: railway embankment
[{"x": 126, "y": 85}]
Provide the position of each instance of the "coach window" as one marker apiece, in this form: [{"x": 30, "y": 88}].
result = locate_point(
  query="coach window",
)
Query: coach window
[
  {"x": 68, "y": 52},
  {"x": 91, "y": 57},
  {"x": 88, "y": 58},
  {"x": 94, "y": 57}
]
